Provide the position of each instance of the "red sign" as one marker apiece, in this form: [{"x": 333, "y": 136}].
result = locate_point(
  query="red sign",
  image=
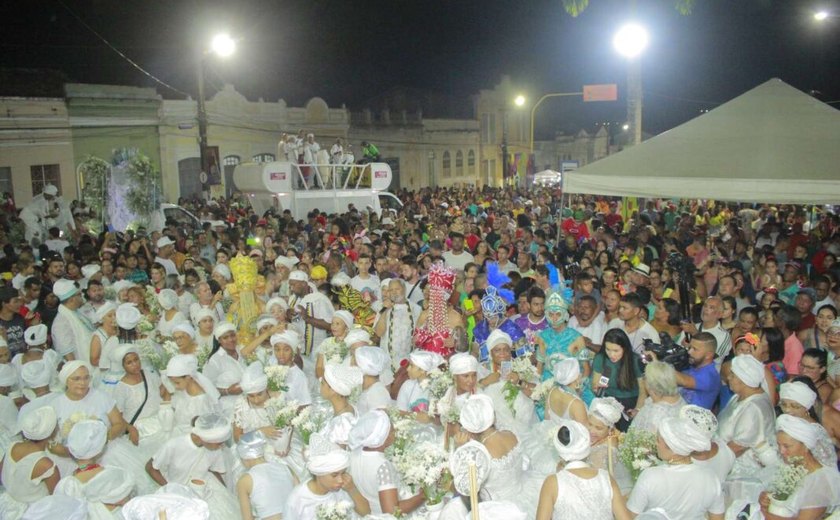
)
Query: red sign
[
  {"x": 605, "y": 92},
  {"x": 277, "y": 176},
  {"x": 380, "y": 174}
]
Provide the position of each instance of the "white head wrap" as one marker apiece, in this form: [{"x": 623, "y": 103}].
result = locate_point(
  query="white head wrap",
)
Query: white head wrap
[
  {"x": 342, "y": 379},
  {"x": 212, "y": 427},
  {"x": 89, "y": 270},
  {"x": 749, "y": 370},
  {"x": 357, "y": 336},
  {"x": 35, "y": 335},
  {"x": 223, "y": 328},
  {"x": 499, "y": 510},
  {"x": 37, "y": 374},
  {"x": 223, "y": 270},
  {"x": 104, "y": 309},
  {"x": 51, "y": 507},
  {"x": 566, "y": 371},
  {"x": 253, "y": 379},
  {"x": 702, "y": 418},
  {"x": 370, "y": 431},
  {"x": 798, "y": 392},
  {"x": 579, "y": 444},
  {"x": 338, "y": 429},
  {"x": 426, "y": 361},
  {"x": 204, "y": 313},
  {"x": 607, "y": 409},
  {"x": 178, "y": 501},
  {"x": 276, "y": 301},
  {"x": 682, "y": 436},
  {"x": 119, "y": 286},
  {"x": 120, "y": 351},
  {"x": 251, "y": 445},
  {"x": 37, "y": 424},
  {"x": 65, "y": 289},
  {"x": 266, "y": 320},
  {"x": 462, "y": 363},
  {"x": 167, "y": 298},
  {"x": 287, "y": 337},
  {"x": 346, "y": 317},
  {"x": 371, "y": 360},
  {"x": 70, "y": 367},
  {"x": 325, "y": 457},
  {"x": 477, "y": 414},
  {"x": 298, "y": 276},
  {"x": 498, "y": 337},
  {"x": 181, "y": 365},
  {"x": 111, "y": 486},
  {"x": 128, "y": 316},
  {"x": 800, "y": 429},
  {"x": 286, "y": 261},
  {"x": 87, "y": 439},
  {"x": 186, "y": 328},
  {"x": 8, "y": 375},
  {"x": 340, "y": 279},
  {"x": 459, "y": 466}
]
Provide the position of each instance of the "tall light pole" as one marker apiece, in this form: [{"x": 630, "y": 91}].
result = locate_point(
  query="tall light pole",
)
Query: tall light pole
[
  {"x": 519, "y": 102},
  {"x": 630, "y": 41},
  {"x": 223, "y": 46}
]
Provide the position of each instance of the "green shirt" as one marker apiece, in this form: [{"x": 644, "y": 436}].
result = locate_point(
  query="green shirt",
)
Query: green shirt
[{"x": 612, "y": 371}]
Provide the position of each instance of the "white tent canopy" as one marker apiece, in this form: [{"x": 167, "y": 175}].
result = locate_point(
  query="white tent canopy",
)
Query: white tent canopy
[{"x": 770, "y": 144}]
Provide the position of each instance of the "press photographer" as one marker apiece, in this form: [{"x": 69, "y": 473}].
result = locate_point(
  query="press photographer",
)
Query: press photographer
[{"x": 700, "y": 383}]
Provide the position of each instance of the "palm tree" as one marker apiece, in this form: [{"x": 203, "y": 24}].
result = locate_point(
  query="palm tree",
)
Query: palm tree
[{"x": 575, "y": 7}]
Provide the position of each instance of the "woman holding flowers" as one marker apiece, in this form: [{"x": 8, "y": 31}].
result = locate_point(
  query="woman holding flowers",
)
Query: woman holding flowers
[
  {"x": 604, "y": 414},
  {"x": 413, "y": 397},
  {"x": 797, "y": 398},
  {"x": 194, "y": 394},
  {"x": 286, "y": 346},
  {"x": 333, "y": 349}
]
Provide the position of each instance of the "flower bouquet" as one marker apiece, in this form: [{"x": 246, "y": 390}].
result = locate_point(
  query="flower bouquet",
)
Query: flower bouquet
[
  {"x": 157, "y": 356},
  {"x": 144, "y": 327},
  {"x": 152, "y": 302},
  {"x": 540, "y": 392},
  {"x": 526, "y": 372},
  {"x": 425, "y": 466},
  {"x": 785, "y": 482},
  {"x": 277, "y": 378},
  {"x": 402, "y": 426},
  {"x": 438, "y": 383},
  {"x": 334, "y": 511},
  {"x": 637, "y": 451},
  {"x": 335, "y": 352},
  {"x": 282, "y": 413},
  {"x": 309, "y": 421}
]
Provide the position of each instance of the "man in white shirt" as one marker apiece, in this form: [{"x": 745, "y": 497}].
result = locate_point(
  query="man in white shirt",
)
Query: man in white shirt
[
  {"x": 166, "y": 246},
  {"x": 457, "y": 257},
  {"x": 71, "y": 330},
  {"x": 367, "y": 284},
  {"x": 55, "y": 242},
  {"x": 630, "y": 321},
  {"x": 590, "y": 322},
  {"x": 310, "y": 312}
]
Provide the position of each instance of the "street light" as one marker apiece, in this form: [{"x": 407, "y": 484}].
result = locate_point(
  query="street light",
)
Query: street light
[
  {"x": 820, "y": 15},
  {"x": 519, "y": 101},
  {"x": 224, "y": 46},
  {"x": 630, "y": 41}
]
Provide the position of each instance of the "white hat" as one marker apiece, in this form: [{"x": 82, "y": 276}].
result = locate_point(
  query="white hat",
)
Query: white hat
[
  {"x": 642, "y": 269},
  {"x": 749, "y": 370},
  {"x": 35, "y": 335},
  {"x": 325, "y": 457},
  {"x": 167, "y": 298},
  {"x": 703, "y": 418},
  {"x": 8, "y": 375},
  {"x": 276, "y": 301},
  {"x": 578, "y": 446},
  {"x": 253, "y": 379},
  {"x": 498, "y": 337},
  {"x": 38, "y": 424},
  {"x": 223, "y": 328},
  {"x": 104, "y": 309},
  {"x": 266, "y": 320},
  {"x": 798, "y": 392},
  {"x": 340, "y": 279},
  {"x": 805, "y": 432},
  {"x": 345, "y": 316},
  {"x": 212, "y": 427},
  {"x": 186, "y": 328},
  {"x": 90, "y": 270},
  {"x": 426, "y": 361},
  {"x": 370, "y": 431},
  {"x": 251, "y": 445},
  {"x": 223, "y": 270},
  {"x": 70, "y": 367},
  {"x": 128, "y": 316},
  {"x": 36, "y": 374},
  {"x": 566, "y": 371},
  {"x": 477, "y": 414},
  {"x": 683, "y": 436},
  {"x": 164, "y": 241},
  {"x": 298, "y": 276},
  {"x": 371, "y": 360},
  {"x": 65, "y": 289},
  {"x": 472, "y": 452},
  {"x": 343, "y": 379},
  {"x": 87, "y": 439},
  {"x": 287, "y": 337},
  {"x": 462, "y": 363},
  {"x": 357, "y": 336},
  {"x": 286, "y": 261},
  {"x": 49, "y": 189},
  {"x": 606, "y": 409},
  {"x": 202, "y": 313}
]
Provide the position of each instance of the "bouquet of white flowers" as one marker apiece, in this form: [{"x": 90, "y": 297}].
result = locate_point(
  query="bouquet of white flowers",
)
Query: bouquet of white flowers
[
  {"x": 144, "y": 327},
  {"x": 309, "y": 421},
  {"x": 445, "y": 409},
  {"x": 526, "y": 372},
  {"x": 334, "y": 511},
  {"x": 335, "y": 352},
  {"x": 787, "y": 478},
  {"x": 157, "y": 356},
  {"x": 402, "y": 426},
  {"x": 438, "y": 383},
  {"x": 425, "y": 466},
  {"x": 637, "y": 451},
  {"x": 152, "y": 302},
  {"x": 540, "y": 392},
  {"x": 277, "y": 377},
  {"x": 281, "y": 411}
]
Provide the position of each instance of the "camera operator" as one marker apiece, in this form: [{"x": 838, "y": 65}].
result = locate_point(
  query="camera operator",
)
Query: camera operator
[
  {"x": 699, "y": 384},
  {"x": 709, "y": 322}
]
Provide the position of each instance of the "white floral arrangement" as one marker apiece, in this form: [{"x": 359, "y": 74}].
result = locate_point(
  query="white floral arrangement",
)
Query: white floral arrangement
[
  {"x": 157, "y": 356},
  {"x": 152, "y": 302},
  {"x": 637, "y": 451},
  {"x": 445, "y": 409},
  {"x": 787, "y": 478},
  {"x": 282, "y": 412},
  {"x": 309, "y": 421},
  {"x": 438, "y": 383},
  {"x": 425, "y": 466},
  {"x": 71, "y": 421},
  {"x": 402, "y": 425},
  {"x": 540, "y": 392},
  {"x": 334, "y": 511},
  {"x": 144, "y": 327},
  {"x": 526, "y": 372},
  {"x": 277, "y": 377},
  {"x": 202, "y": 354},
  {"x": 335, "y": 352}
]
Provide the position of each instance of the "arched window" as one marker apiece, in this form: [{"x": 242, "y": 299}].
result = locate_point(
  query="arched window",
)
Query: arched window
[
  {"x": 264, "y": 158},
  {"x": 231, "y": 160},
  {"x": 459, "y": 163},
  {"x": 447, "y": 164},
  {"x": 471, "y": 163}
]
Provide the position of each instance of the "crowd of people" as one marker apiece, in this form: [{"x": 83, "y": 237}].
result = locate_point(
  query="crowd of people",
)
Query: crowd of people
[
  {"x": 302, "y": 149},
  {"x": 489, "y": 353}
]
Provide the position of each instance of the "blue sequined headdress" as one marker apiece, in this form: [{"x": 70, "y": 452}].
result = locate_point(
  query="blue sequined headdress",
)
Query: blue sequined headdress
[{"x": 496, "y": 298}]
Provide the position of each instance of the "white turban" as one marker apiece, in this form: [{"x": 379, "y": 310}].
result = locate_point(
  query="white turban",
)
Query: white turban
[
  {"x": 90, "y": 270},
  {"x": 579, "y": 444},
  {"x": 49, "y": 189},
  {"x": 287, "y": 337},
  {"x": 798, "y": 392},
  {"x": 202, "y": 313},
  {"x": 499, "y": 510},
  {"x": 186, "y": 328},
  {"x": 111, "y": 486},
  {"x": 346, "y": 317},
  {"x": 276, "y": 301},
  {"x": 498, "y": 337},
  {"x": 65, "y": 289},
  {"x": 223, "y": 328},
  {"x": 338, "y": 429},
  {"x": 357, "y": 336},
  {"x": 51, "y": 507},
  {"x": 128, "y": 316},
  {"x": 266, "y": 320},
  {"x": 212, "y": 427},
  {"x": 682, "y": 436},
  {"x": 70, "y": 367},
  {"x": 120, "y": 351},
  {"x": 298, "y": 276},
  {"x": 606, "y": 409},
  {"x": 37, "y": 424},
  {"x": 800, "y": 429},
  {"x": 253, "y": 379},
  {"x": 343, "y": 379},
  {"x": 223, "y": 270},
  {"x": 251, "y": 445},
  {"x": 121, "y": 285},
  {"x": 459, "y": 466},
  {"x": 286, "y": 261},
  {"x": 477, "y": 414},
  {"x": 370, "y": 431},
  {"x": 87, "y": 439},
  {"x": 8, "y": 375},
  {"x": 35, "y": 335},
  {"x": 566, "y": 371},
  {"x": 181, "y": 365},
  {"x": 325, "y": 457},
  {"x": 340, "y": 279},
  {"x": 702, "y": 418},
  {"x": 749, "y": 370},
  {"x": 104, "y": 309},
  {"x": 167, "y": 298},
  {"x": 462, "y": 363},
  {"x": 426, "y": 361},
  {"x": 371, "y": 360},
  {"x": 37, "y": 374}
]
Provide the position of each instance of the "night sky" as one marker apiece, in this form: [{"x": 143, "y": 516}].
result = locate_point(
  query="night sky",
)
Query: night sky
[{"x": 350, "y": 52}]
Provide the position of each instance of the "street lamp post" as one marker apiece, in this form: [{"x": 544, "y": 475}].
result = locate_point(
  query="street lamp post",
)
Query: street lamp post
[
  {"x": 630, "y": 41},
  {"x": 223, "y": 46},
  {"x": 537, "y": 104}
]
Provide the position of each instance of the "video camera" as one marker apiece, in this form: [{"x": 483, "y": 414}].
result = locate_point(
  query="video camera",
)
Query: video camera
[{"x": 668, "y": 351}]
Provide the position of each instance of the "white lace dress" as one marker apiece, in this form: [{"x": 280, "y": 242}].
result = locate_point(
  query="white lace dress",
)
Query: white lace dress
[
  {"x": 589, "y": 499},
  {"x": 508, "y": 480},
  {"x": 538, "y": 443}
]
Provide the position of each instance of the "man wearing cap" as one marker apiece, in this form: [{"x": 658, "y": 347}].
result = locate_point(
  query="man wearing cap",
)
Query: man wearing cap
[
  {"x": 640, "y": 275},
  {"x": 71, "y": 330},
  {"x": 457, "y": 257},
  {"x": 310, "y": 311},
  {"x": 166, "y": 247}
]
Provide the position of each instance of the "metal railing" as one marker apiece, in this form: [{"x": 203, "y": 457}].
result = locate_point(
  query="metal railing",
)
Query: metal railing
[{"x": 331, "y": 176}]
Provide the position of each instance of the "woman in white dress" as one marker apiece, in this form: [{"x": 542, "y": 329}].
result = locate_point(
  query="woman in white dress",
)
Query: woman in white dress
[
  {"x": 718, "y": 458},
  {"x": 184, "y": 336},
  {"x": 226, "y": 365},
  {"x": 678, "y": 487},
  {"x": 507, "y": 479},
  {"x": 204, "y": 321},
  {"x": 604, "y": 415},
  {"x": 286, "y": 345},
  {"x": 171, "y": 316},
  {"x": 26, "y": 472},
  {"x": 340, "y": 325},
  {"x": 578, "y": 490},
  {"x": 103, "y": 340},
  {"x": 372, "y": 361},
  {"x": 194, "y": 394},
  {"x": 664, "y": 399},
  {"x": 375, "y": 476},
  {"x": 412, "y": 397},
  {"x": 818, "y": 494},
  {"x": 337, "y": 384},
  {"x": 797, "y": 398},
  {"x": 265, "y": 487}
]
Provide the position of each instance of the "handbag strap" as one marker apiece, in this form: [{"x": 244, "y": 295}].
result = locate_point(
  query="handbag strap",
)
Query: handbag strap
[{"x": 145, "y": 398}]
